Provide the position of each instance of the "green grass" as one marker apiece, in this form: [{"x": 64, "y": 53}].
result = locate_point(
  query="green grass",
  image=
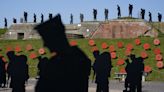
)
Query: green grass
[{"x": 156, "y": 74}]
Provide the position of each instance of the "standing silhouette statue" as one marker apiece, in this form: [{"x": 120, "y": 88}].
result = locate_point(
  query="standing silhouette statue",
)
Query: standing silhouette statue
[
  {"x": 68, "y": 69},
  {"x": 106, "y": 14},
  {"x": 50, "y": 15},
  {"x": 42, "y": 18},
  {"x": 71, "y": 19},
  {"x": 102, "y": 67},
  {"x": 14, "y": 20},
  {"x": 130, "y": 10},
  {"x": 34, "y": 18},
  {"x": 159, "y": 17},
  {"x": 94, "y": 14},
  {"x": 142, "y": 13},
  {"x": 119, "y": 12},
  {"x": 81, "y": 17},
  {"x": 5, "y": 20},
  {"x": 25, "y": 17},
  {"x": 150, "y": 17}
]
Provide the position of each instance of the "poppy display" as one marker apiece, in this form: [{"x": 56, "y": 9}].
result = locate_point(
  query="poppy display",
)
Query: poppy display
[
  {"x": 160, "y": 64},
  {"x": 120, "y": 61},
  {"x": 147, "y": 69},
  {"x": 73, "y": 43},
  {"x": 91, "y": 42},
  {"x": 112, "y": 48},
  {"x": 157, "y": 51},
  {"x": 144, "y": 54},
  {"x": 129, "y": 46},
  {"x": 104, "y": 45},
  {"x": 120, "y": 44},
  {"x": 158, "y": 57},
  {"x": 41, "y": 51},
  {"x": 33, "y": 55},
  {"x": 156, "y": 41},
  {"x": 17, "y": 48},
  {"x": 113, "y": 55},
  {"x": 146, "y": 46},
  {"x": 137, "y": 41}
]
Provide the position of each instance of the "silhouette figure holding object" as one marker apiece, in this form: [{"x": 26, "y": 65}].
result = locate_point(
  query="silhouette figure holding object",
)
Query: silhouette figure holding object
[
  {"x": 150, "y": 17},
  {"x": 142, "y": 13},
  {"x": 106, "y": 14},
  {"x": 5, "y": 20},
  {"x": 159, "y": 17},
  {"x": 130, "y": 10},
  {"x": 25, "y": 17},
  {"x": 71, "y": 19},
  {"x": 94, "y": 14},
  {"x": 69, "y": 69},
  {"x": 119, "y": 12}
]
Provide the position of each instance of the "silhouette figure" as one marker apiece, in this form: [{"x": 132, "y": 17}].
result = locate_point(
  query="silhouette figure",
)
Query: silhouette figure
[
  {"x": 69, "y": 68},
  {"x": 14, "y": 20},
  {"x": 142, "y": 13},
  {"x": 106, "y": 14},
  {"x": 25, "y": 17},
  {"x": 42, "y": 18},
  {"x": 130, "y": 10},
  {"x": 18, "y": 70},
  {"x": 150, "y": 17},
  {"x": 102, "y": 67},
  {"x": 95, "y": 14},
  {"x": 50, "y": 15},
  {"x": 119, "y": 11},
  {"x": 81, "y": 17},
  {"x": 71, "y": 19},
  {"x": 34, "y": 18},
  {"x": 2, "y": 73},
  {"x": 159, "y": 17},
  {"x": 5, "y": 20}
]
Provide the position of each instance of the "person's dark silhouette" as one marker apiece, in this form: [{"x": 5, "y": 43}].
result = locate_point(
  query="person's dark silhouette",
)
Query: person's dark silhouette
[
  {"x": 159, "y": 17},
  {"x": 25, "y": 17},
  {"x": 67, "y": 70},
  {"x": 130, "y": 10},
  {"x": 14, "y": 20},
  {"x": 34, "y": 18},
  {"x": 18, "y": 70},
  {"x": 50, "y": 15},
  {"x": 71, "y": 19},
  {"x": 42, "y": 18},
  {"x": 150, "y": 17},
  {"x": 119, "y": 12},
  {"x": 2, "y": 73},
  {"x": 102, "y": 67},
  {"x": 142, "y": 13},
  {"x": 95, "y": 14},
  {"x": 81, "y": 17},
  {"x": 5, "y": 20},
  {"x": 106, "y": 14}
]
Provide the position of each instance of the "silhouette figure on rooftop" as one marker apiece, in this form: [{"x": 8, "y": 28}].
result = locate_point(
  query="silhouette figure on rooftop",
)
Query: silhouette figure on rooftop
[
  {"x": 71, "y": 19},
  {"x": 159, "y": 17},
  {"x": 150, "y": 17},
  {"x": 50, "y": 15},
  {"x": 2, "y": 73},
  {"x": 5, "y": 20},
  {"x": 68, "y": 69},
  {"x": 81, "y": 17},
  {"x": 42, "y": 18},
  {"x": 106, "y": 14},
  {"x": 34, "y": 18},
  {"x": 142, "y": 13},
  {"x": 95, "y": 14},
  {"x": 130, "y": 10},
  {"x": 14, "y": 20},
  {"x": 25, "y": 17},
  {"x": 119, "y": 12},
  {"x": 102, "y": 67}
]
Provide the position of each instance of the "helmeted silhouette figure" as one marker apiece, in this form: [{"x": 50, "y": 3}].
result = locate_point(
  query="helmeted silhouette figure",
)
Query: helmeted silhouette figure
[
  {"x": 5, "y": 20},
  {"x": 102, "y": 67},
  {"x": 142, "y": 13},
  {"x": 67, "y": 70},
  {"x": 150, "y": 17},
  {"x": 34, "y": 18},
  {"x": 159, "y": 17},
  {"x": 81, "y": 17},
  {"x": 119, "y": 11},
  {"x": 130, "y": 10},
  {"x": 14, "y": 20},
  {"x": 25, "y": 17},
  {"x": 95, "y": 14},
  {"x": 42, "y": 18},
  {"x": 71, "y": 19},
  {"x": 2, "y": 73},
  {"x": 50, "y": 15},
  {"x": 106, "y": 14}
]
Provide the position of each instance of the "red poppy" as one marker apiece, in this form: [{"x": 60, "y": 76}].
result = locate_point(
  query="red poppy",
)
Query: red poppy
[
  {"x": 33, "y": 55},
  {"x": 156, "y": 41},
  {"x": 129, "y": 46},
  {"x": 144, "y": 54},
  {"x": 104, "y": 45},
  {"x": 29, "y": 47},
  {"x": 147, "y": 69},
  {"x": 160, "y": 64},
  {"x": 120, "y": 61},
  {"x": 8, "y": 48},
  {"x": 157, "y": 51},
  {"x": 94, "y": 49},
  {"x": 137, "y": 41},
  {"x": 73, "y": 43},
  {"x": 17, "y": 48},
  {"x": 111, "y": 48},
  {"x": 127, "y": 52},
  {"x": 120, "y": 44},
  {"x": 113, "y": 55},
  {"x": 122, "y": 70},
  {"x": 146, "y": 46},
  {"x": 158, "y": 57},
  {"x": 91, "y": 42},
  {"x": 41, "y": 51}
]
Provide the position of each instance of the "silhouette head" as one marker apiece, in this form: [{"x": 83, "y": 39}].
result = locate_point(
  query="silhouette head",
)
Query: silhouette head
[{"x": 52, "y": 32}]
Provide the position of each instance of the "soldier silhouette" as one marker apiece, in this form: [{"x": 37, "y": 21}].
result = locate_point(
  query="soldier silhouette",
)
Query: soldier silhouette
[
  {"x": 2, "y": 73},
  {"x": 34, "y": 18},
  {"x": 14, "y": 20},
  {"x": 71, "y": 19},
  {"x": 150, "y": 17},
  {"x": 42, "y": 18},
  {"x": 102, "y": 67},
  {"x": 159, "y": 17},
  {"x": 95, "y": 14},
  {"x": 81, "y": 17},
  {"x": 69, "y": 68},
  {"x": 130, "y": 10},
  {"x": 119, "y": 12},
  {"x": 106, "y": 14},
  {"x": 5, "y": 20},
  {"x": 50, "y": 15},
  {"x": 25, "y": 17},
  {"x": 142, "y": 13}
]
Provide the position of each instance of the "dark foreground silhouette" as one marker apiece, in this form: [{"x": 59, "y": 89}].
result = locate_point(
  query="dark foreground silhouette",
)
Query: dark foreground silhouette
[{"x": 68, "y": 69}]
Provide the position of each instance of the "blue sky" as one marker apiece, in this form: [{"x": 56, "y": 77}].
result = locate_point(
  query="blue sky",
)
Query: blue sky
[{"x": 15, "y": 8}]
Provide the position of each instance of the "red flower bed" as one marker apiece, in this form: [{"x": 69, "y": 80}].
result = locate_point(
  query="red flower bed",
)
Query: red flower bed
[
  {"x": 122, "y": 70},
  {"x": 158, "y": 57},
  {"x": 147, "y": 69},
  {"x": 29, "y": 47},
  {"x": 137, "y": 41},
  {"x": 91, "y": 42},
  {"x": 144, "y": 54},
  {"x": 94, "y": 49},
  {"x": 120, "y": 61},
  {"x": 129, "y": 46},
  {"x": 156, "y": 41},
  {"x": 104, "y": 45},
  {"x": 111, "y": 48},
  {"x": 73, "y": 43},
  {"x": 113, "y": 55},
  {"x": 41, "y": 51},
  {"x": 157, "y": 51},
  {"x": 120, "y": 44},
  {"x": 33, "y": 55},
  {"x": 160, "y": 64},
  {"x": 127, "y": 52},
  {"x": 17, "y": 48},
  {"x": 146, "y": 46}
]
